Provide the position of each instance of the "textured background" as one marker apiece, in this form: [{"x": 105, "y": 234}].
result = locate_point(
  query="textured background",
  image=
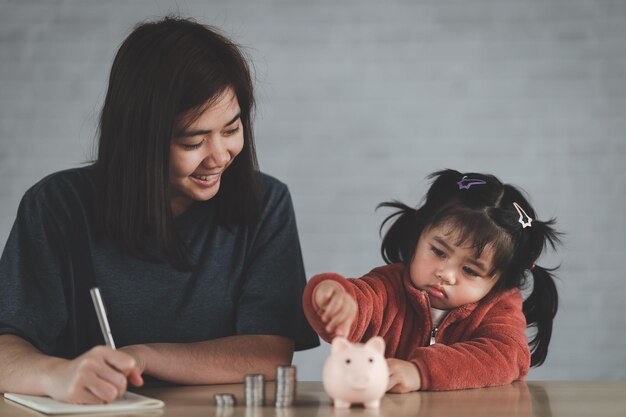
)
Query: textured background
[{"x": 358, "y": 101}]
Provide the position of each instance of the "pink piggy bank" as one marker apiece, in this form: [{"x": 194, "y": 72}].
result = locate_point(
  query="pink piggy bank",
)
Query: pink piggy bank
[{"x": 356, "y": 373}]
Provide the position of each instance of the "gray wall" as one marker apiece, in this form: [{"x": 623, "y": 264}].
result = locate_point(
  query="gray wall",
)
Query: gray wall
[{"x": 358, "y": 102}]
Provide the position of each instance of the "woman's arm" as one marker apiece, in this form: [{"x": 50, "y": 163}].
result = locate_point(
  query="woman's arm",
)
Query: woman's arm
[
  {"x": 98, "y": 376},
  {"x": 218, "y": 361}
]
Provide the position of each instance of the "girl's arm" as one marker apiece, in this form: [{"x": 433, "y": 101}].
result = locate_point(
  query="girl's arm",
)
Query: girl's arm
[
  {"x": 493, "y": 352},
  {"x": 327, "y": 296},
  {"x": 371, "y": 309},
  {"x": 335, "y": 307}
]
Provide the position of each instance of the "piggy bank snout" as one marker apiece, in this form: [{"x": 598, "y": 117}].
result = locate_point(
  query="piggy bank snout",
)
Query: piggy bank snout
[
  {"x": 360, "y": 373},
  {"x": 359, "y": 381}
]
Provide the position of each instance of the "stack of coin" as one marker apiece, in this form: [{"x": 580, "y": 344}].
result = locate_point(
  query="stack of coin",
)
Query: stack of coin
[
  {"x": 285, "y": 385},
  {"x": 255, "y": 390},
  {"x": 224, "y": 400}
]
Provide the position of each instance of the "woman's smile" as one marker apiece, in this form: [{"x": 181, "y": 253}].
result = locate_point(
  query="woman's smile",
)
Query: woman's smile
[{"x": 206, "y": 181}]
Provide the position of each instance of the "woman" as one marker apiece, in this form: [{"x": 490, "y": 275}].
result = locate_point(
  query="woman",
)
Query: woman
[{"x": 195, "y": 252}]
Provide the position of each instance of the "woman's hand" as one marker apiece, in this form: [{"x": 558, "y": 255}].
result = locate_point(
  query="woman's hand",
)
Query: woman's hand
[
  {"x": 403, "y": 376},
  {"x": 336, "y": 308},
  {"x": 98, "y": 376},
  {"x": 134, "y": 377}
]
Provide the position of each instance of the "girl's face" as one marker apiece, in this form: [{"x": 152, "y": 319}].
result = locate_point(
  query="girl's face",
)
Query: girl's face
[
  {"x": 450, "y": 274},
  {"x": 203, "y": 151}
]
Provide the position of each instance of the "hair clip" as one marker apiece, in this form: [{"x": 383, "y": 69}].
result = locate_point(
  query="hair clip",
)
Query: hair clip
[
  {"x": 466, "y": 183},
  {"x": 522, "y": 214}
]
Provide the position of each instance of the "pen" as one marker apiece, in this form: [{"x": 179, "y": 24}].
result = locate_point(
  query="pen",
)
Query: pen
[{"x": 102, "y": 317}]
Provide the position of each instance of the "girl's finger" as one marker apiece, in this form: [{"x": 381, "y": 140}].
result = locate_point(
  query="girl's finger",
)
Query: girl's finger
[
  {"x": 333, "y": 306},
  {"x": 339, "y": 318},
  {"x": 323, "y": 298},
  {"x": 333, "y": 324},
  {"x": 324, "y": 295},
  {"x": 343, "y": 319},
  {"x": 334, "y": 303},
  {"x": 392, "y": 382},
  {"x": 343, "y": 330},
  {"x": 330, "y": 327}
]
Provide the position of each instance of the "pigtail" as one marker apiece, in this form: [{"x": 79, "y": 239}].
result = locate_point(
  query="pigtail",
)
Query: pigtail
[
  {"x": 541, "y": 305},
  {"x": 400, "y": 239},
  {"x": 540, "y": 308}
]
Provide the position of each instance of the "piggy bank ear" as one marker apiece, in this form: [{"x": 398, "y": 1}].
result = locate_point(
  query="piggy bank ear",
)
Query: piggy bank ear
[
  {"x": 339, "y": 344},
  {"x": 377, "y": 343}
]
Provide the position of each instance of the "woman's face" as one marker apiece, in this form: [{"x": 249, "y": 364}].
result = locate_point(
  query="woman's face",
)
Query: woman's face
[
  {"x": 201, "y": 152},
  {"x": 450, "y": 274}
]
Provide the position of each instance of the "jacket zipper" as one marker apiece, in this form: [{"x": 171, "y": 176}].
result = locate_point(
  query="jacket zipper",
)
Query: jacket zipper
[
  {"x": 433, "y": 334},
  {"x": 435, "y": 330}
]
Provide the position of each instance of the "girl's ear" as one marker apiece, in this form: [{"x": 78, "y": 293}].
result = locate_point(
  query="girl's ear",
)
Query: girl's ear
[
  {"x": 377, "y": 343},
  {"x": 339, "y": 344}
]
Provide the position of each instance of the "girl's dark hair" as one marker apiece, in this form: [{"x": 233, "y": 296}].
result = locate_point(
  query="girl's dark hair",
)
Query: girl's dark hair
[
  {"x": 164, "y": 74},
  {"x": 482, "y": 210}
]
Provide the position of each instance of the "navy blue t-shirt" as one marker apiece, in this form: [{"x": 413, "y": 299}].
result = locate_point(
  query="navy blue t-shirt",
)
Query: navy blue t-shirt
[{"x": 250, "y": 279}]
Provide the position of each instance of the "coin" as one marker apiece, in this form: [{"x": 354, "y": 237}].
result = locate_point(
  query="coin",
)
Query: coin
[{"x": 254, "y": 390}]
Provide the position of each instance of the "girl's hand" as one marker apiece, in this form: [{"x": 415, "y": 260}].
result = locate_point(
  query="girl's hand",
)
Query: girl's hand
[
  {"x": 337, "y": 308},
  {"x": 403, "y": 376},
  {"x": 97, "y": 376}
]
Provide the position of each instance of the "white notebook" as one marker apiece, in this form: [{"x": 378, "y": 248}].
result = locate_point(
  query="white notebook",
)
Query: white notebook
[{"x": 47, "y": 405}]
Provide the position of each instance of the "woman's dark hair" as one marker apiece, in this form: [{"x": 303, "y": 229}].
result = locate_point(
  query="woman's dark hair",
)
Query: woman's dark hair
[
  {"x": 166, "y": 73},
  {"x": 483, "y": 211}
]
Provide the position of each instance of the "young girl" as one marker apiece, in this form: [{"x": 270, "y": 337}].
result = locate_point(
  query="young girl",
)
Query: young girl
[{"x": 448, "y": 304}]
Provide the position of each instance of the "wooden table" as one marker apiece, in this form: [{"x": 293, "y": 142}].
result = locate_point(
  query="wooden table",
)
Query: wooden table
[{"x": 520, "y": 399}]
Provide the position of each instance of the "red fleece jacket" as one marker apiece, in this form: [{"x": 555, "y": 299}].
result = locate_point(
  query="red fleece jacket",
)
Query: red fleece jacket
[{"x": 477, "y": 345}]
